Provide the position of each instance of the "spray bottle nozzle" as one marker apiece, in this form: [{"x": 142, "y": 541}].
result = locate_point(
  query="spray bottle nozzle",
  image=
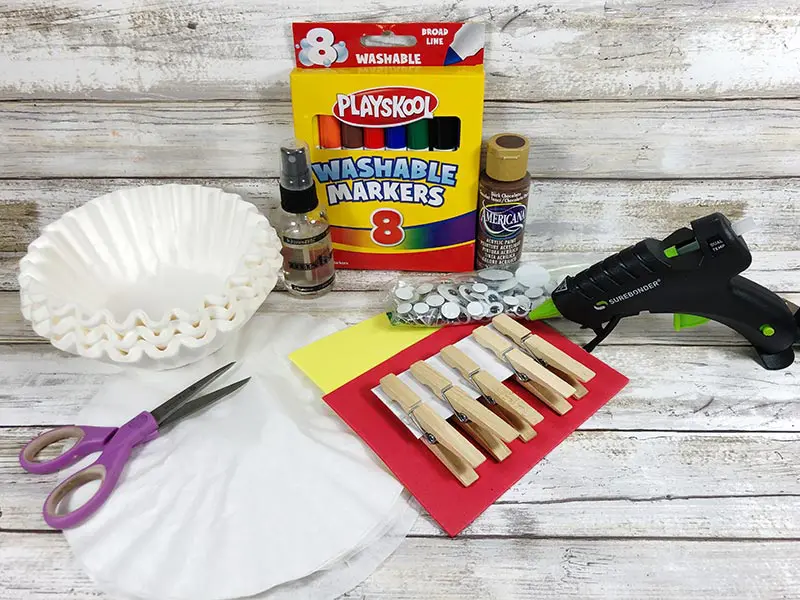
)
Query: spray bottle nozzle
[{"x": 295, "y": 165}]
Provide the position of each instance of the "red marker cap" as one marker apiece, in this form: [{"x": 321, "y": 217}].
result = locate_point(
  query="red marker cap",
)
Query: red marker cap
[{"x": 373, "y": 138}]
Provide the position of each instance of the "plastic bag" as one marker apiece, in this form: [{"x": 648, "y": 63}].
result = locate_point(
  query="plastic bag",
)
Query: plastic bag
[{"x": 514, "y": 289}]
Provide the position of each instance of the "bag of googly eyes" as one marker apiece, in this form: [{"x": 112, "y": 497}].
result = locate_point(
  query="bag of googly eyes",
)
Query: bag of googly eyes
[{"x": 514, "y": 289}]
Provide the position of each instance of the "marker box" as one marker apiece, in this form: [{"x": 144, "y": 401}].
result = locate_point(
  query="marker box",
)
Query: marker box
[{"x": 392, "y": 113}]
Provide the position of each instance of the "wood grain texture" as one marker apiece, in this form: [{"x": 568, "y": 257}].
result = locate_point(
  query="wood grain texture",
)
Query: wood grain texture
[
  {"x": 776, "y": 270},
  {"x": 564, "y": 215},
  {"x": 564, "y": 49},
  {"x": 685, "y": 485},
  {"x": 698, "y": 388},
  {"x": 355, "y": 306},
  {"x": 587, "y": 569},
  {"x": 41, "y": 567},
  {"x": 586, "y": 218},
  {"x": 640, "y": 140},
  {"x": 596, "y": 484}
]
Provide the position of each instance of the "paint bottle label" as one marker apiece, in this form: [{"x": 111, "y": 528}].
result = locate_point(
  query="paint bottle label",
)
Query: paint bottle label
[{"x": 501, "y": 222}]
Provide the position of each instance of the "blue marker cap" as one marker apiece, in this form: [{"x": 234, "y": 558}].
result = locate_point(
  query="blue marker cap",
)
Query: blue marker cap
[
  {"x": 452, "y": 57},
  {"x": 396, "y": 137}
]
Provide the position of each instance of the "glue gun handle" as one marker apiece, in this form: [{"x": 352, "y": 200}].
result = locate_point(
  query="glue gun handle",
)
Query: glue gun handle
[{"x": 759, "y": 315}]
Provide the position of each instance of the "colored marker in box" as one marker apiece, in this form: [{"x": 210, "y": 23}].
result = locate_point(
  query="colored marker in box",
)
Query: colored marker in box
[
  {"x": 417, "y": 135},
  {"x": 445, "y": 133},
  {"x": 374, "y": 138},
  {"x": 395, "y": 137},
  {"x": 398, "y": 139},
  {"x": 330, "y": 131},
  {"x": 352, "y": 136}
]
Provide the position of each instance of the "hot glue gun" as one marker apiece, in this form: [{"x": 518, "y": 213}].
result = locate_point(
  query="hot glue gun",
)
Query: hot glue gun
[{"x": 693, "y": 273}]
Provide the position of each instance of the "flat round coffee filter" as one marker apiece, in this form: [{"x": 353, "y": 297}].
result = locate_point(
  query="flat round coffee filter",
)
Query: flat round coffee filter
[
  {"x": 263, "y": 488},
  {"x": 342, "y": 576}
]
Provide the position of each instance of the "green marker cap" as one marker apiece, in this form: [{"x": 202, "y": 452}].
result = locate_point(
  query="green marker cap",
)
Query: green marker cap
[{"x": 417, "y": 135}]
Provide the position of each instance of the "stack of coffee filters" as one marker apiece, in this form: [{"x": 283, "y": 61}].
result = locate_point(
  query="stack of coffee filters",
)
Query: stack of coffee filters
[{"x": 156, "y": 276}]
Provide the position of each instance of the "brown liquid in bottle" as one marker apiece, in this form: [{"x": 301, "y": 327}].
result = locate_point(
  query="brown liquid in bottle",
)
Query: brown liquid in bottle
[{"x": 503, "y": 192}]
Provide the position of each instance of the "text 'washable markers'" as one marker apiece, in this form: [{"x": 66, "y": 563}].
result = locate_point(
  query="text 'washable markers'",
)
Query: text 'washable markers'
[
  {"x": 467, "y": 42},
  {"x": 396, "y": 137},
  {"x": 373, "y": 138},
  {"x": 445, "y": 133},
  {"x": 330, "y": 131},
  {"x": 417, "y": 134},
  {"x": 352, "y": 136}
]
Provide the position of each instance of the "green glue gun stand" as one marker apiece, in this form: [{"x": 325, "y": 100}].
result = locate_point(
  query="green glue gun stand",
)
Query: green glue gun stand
[{"x": 694, "y": 274}]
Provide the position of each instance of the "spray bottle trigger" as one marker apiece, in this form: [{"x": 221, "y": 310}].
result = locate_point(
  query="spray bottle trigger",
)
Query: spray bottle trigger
[{"x": 680, "y": 321}]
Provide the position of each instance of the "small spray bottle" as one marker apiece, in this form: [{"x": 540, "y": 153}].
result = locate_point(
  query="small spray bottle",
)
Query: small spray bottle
[{"x": 308, "y": 269}]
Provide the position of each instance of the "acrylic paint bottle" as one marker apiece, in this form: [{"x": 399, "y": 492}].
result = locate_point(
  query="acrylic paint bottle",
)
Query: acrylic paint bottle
[
  {"x": 308, "y": 268},
  {"x": 503, "y": 192}
]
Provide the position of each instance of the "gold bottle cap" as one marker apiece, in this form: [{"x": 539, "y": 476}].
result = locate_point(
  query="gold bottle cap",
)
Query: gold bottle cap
[{"x": 507, "y": 157}]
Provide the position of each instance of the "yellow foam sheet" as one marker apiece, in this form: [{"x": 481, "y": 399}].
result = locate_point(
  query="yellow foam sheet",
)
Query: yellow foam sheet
[{"x": 341, "y": 357}]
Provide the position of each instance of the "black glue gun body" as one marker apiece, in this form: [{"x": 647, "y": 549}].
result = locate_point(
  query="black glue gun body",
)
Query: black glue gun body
[{"x": 693, "y": 273}]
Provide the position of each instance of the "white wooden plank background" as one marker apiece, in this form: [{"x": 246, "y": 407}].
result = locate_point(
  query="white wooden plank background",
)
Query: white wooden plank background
[
  {"x": 642, "y": 114},
  {"x": 551, "y": 569},
  {"x": 669, "y": 139},
  {"x": 566, "y": 215},
  {"x": 561, "y": 49}
]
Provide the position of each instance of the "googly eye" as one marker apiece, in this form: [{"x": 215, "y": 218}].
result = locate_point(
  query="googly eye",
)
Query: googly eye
[
  {"x": 524, "y": 302},
  {"x": 494, "y": 274},
  {"x": 451, "y": 310},
  {"x": 505, "y": 285},
  {"x": 518, "y": 311},
  {"x": 495, "y": 308},
  {"x": 480, "y": 288},
  {"x": 449, "y": 293},
  {"x": 464, "y": 292},
  {"x": 476, "y": 310},
  {"x": 532, "y": 275},
  {"x": 434, "y": 300},
  {"x": 420, "y": 308},
  {"x": 510, "y": 301},
  {"x": 404, "y": 293}
]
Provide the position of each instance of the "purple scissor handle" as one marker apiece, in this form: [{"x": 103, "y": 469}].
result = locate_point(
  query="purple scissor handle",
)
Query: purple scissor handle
[{"x": 115, "y": 445}]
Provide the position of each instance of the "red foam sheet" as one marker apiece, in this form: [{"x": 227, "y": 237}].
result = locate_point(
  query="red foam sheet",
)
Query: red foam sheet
[{"x": 452, "y": 505}]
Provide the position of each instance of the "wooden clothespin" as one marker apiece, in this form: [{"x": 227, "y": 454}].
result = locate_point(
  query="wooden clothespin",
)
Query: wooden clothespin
[
  {"x": 521, "y": 415},
  {"x": 555, "y": 359},
  {"x": 485, "y": 427},
  {"x": 456, "y": 453},
  {"x": 548, "y": 387}
]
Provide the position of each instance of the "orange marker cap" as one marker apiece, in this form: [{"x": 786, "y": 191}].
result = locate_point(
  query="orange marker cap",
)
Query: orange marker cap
[{"x": 330, "y": 131}]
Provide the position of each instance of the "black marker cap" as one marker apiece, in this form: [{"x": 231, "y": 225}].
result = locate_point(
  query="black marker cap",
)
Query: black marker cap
[
  {"x": 445, "y": 133},
  {"x": 298, "y": 194}
]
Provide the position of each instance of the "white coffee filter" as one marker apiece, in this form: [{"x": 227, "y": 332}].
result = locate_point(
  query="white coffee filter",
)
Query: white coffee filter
[
  {"x": 264, "y": 488},
  {"x": 342, "y": 576}
]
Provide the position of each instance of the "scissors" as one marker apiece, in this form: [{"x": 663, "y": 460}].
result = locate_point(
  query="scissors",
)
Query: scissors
[{"x": 115, "y": 445}]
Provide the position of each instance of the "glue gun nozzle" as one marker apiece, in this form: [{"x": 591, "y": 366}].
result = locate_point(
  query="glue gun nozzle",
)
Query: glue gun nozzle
[{"x": 546, "y": 310}]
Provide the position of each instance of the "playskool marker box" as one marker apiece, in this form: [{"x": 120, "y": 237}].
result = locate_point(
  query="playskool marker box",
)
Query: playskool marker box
[{"x": 392, "y": 113}]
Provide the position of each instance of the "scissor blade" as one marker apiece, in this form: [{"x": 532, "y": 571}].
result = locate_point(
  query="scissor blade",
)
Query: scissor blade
[
  {"x": 163, "y": 411},
  {"x": 200, "y": 403}
]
